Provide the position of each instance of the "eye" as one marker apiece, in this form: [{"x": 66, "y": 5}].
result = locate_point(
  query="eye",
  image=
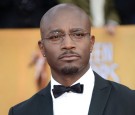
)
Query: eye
[
  {"x": 54, "y": 37},
  {"x": 78, "y": 35}
]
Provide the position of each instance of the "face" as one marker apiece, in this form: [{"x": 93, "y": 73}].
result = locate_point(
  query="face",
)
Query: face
[{"x": 65, "y": 53}]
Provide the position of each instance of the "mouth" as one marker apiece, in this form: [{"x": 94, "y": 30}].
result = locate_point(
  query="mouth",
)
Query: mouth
[{"x": 69, "y": 57}]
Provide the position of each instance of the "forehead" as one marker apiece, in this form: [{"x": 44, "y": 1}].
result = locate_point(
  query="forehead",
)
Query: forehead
[{"x": 65, "y": 20}]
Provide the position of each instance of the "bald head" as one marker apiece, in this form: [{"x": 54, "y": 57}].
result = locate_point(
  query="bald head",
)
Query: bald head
[{"x": 63, "y": 12}]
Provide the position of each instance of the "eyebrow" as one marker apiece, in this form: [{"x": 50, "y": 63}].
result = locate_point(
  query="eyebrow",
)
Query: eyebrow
[
  {"x": 77, "y": 29},
  {"x": 56, "y": 30},
  {"x": 62, "y": 31}
]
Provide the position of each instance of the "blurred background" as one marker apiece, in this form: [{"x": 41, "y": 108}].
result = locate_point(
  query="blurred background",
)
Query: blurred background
[{"x": 23, "y": 70}]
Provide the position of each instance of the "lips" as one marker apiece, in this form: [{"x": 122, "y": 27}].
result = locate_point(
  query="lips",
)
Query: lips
[{"x": 69, "y": 57}]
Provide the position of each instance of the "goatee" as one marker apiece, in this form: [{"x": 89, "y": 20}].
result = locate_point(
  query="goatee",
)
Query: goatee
[{"x": 69, "y": 70}]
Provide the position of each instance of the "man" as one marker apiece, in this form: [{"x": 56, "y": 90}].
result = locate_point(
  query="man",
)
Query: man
[{"x": 67, "y": 43}]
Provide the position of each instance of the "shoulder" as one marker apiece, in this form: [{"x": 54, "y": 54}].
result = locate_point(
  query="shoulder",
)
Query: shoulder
[
  {"x": 122, "y": 89},
  {"x": 119, "y": 97},
  {"x": 122, "y": 98},
  {"x": 31, "y": 105},
  {"x": 24, "y": 106},
  {"x": 116, "y": 88}
]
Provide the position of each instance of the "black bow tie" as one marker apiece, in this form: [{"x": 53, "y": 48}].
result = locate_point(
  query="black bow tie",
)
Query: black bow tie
[{"x": 58, "y": 90}]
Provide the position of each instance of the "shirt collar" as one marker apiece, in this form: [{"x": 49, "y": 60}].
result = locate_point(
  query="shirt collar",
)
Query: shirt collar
[{"x": 87, "y": 79}]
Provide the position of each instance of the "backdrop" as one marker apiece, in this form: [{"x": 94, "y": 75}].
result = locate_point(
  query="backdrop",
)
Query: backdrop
[{"x": 113, "y": 58}]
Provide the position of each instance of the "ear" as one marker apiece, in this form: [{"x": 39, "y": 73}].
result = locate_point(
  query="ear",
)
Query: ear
[
  {"x": 92, "y": 41},
  {"x": 41, "y": 47}
]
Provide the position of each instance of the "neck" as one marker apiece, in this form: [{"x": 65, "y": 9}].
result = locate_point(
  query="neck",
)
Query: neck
[{"x": 68, "y": 80}]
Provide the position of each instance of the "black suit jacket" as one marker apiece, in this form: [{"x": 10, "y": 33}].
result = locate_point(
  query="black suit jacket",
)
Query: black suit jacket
[{"x": 109, "y": 98}]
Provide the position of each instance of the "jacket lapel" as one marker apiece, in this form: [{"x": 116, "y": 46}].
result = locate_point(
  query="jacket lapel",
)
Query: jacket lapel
[
  {"x": 45, "y": 102},
  {"x": 100, "y": 96}
]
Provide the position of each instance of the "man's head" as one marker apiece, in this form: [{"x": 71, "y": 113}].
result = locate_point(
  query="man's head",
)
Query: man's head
[{"x": 66, "y": 40}]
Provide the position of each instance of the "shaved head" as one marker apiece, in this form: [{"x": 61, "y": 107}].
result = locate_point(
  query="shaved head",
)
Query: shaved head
[{"x": 63, "y": 10}]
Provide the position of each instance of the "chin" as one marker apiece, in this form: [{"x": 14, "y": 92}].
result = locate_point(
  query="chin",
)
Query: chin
[{"x": 69, "y": 70}]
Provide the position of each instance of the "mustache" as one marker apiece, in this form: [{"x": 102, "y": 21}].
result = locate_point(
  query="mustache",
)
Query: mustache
[{"x": 68, "y": 52}]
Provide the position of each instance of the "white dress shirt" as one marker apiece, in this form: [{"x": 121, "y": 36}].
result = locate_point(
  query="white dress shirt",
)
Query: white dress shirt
[{"x": 71, "y": 103}]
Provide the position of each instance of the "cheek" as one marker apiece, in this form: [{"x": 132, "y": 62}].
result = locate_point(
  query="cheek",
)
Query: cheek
[
  {"x": 51, "y": 53},
  {"x": 85, "y": 51},
  {"x": 85, "y": 48}
]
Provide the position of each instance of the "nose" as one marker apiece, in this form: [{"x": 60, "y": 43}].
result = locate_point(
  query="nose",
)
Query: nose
[{"x": 68, "y": 43}]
